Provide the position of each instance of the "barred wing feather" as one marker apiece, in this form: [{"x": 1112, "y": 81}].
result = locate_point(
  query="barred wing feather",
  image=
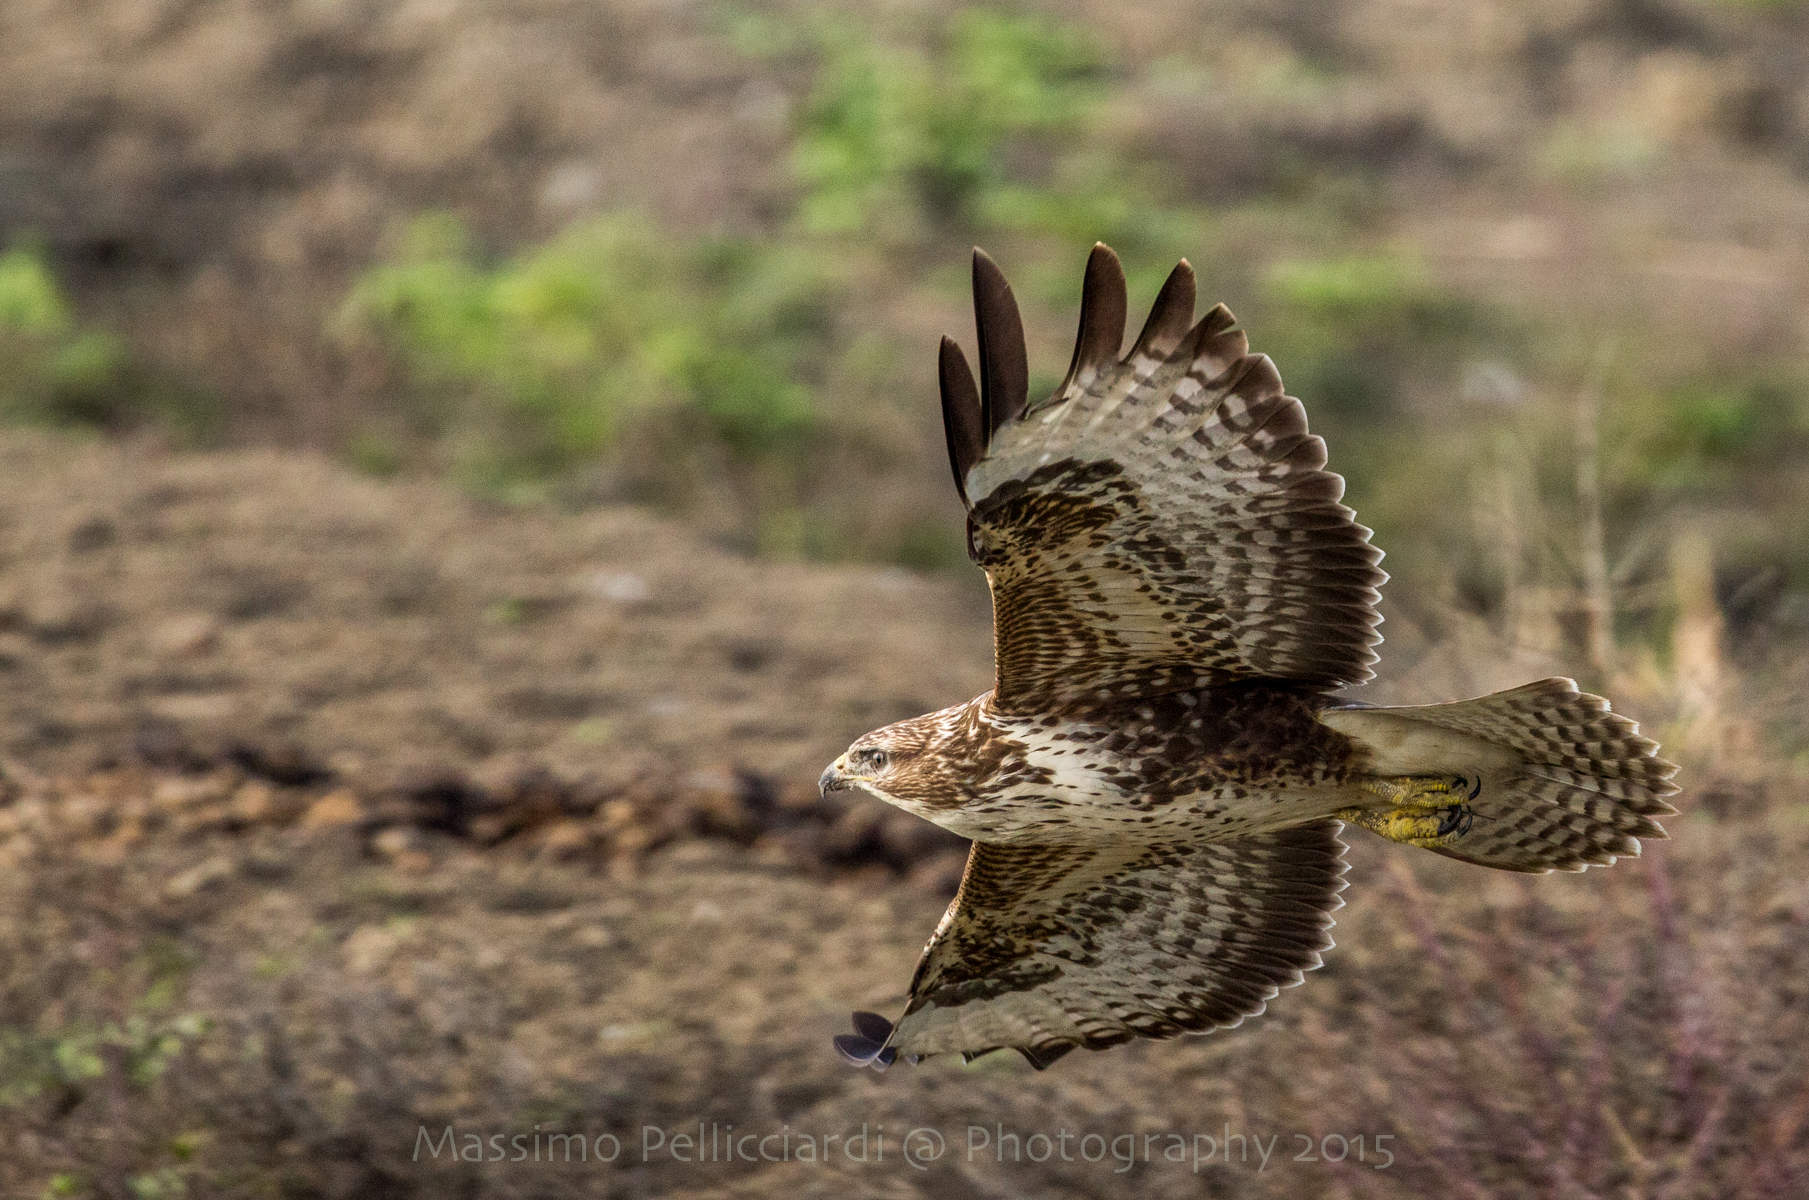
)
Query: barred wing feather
[
  {"x": 1164, "y": 521},
  {"x": 1047, "y": 948}
]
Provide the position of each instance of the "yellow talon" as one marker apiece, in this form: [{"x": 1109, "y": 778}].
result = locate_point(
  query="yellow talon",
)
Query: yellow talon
[
  {"x": 1413, "y": 828},
  {"x": 1424, "y": 791},
  {"x": 1428, "y": 811}
]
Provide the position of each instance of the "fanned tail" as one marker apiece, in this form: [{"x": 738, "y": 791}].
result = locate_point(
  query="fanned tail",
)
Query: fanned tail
[{"x": 1564, "y": 781}]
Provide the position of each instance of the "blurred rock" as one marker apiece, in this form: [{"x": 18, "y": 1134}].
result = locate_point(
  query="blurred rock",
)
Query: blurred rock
[
  {"x": 258, "y": 803},
  {"x": 340, "y": 807},
  {"x": 185, "y": 636},
  {"x": 940, "y": 874},
  {"x": 369, "y": 947},
  {"x": 566, "y": 839},
  {"x": 283, "y": 763},
  {"x": 396, "y": 840},
  {"x": 732, "y": 804},
  {"x": 90, "y": 533},
  {"x": 203, "y": 875},
  {"x": 184, "y": 792}
]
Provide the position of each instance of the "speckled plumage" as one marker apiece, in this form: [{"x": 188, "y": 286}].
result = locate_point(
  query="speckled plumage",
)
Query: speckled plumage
[{"x": 1152, "y": 782}]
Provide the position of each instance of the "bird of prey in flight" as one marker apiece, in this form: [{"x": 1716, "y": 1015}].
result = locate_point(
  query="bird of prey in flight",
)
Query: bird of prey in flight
[{"x": 1156, "y": 783}]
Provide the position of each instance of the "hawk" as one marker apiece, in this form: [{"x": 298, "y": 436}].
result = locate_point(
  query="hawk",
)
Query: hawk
[{"x": 1156, "y": 783}]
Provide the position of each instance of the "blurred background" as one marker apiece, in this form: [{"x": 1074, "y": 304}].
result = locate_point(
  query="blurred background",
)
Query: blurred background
[{"x": 465, "y": 467}]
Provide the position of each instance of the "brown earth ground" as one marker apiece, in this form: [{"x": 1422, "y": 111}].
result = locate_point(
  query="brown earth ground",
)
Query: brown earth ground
[{"x": 335, "y": 810}]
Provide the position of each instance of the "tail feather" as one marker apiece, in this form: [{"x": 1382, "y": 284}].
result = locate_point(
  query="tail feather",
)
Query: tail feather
[{"x": 1565, "y": 781}]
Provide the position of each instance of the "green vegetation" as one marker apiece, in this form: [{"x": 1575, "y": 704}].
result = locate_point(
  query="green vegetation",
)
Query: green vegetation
[
  {"x": 732, "y": 367},
  {"x": 51, "y": 371},
  {"x": 1351, "y": 329},
  {"x": 617, "y": 330},
  {"x": 694, "y": 363},
  {"x": 618, "y": 336},
  {"x": 67, "y": 1059},
  {"x": 54, "y": 371},
  {"x": 74, "y": 1059},
  {"x": 990, "y": 125},
  {"x": 30, "y": 305},
  {"x": 895, "y": 131},
  {"x": 1704, "y": 438},
  {"x": 537, "y": 365}
]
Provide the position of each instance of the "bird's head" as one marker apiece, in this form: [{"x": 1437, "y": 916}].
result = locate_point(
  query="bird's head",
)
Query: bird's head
[
  {"x": 906, "y": 764},
  {"x": 874, "y": 760}
]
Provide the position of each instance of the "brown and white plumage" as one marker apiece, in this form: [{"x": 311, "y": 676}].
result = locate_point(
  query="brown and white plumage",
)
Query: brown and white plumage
[
  {"x": 1152, "y": 781},
  {"x": 1095, "y": 944},
  {"x": 1165, "y": 520}
]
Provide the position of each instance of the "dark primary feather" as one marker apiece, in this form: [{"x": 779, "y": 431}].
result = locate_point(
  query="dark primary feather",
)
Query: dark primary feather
[
  {"x": 1004, "y": 362},
  {"x": 1170, "y": 316},
  {"x": 1102, "y": 314},
  {"x": 962, "y": 421},
  {"x": 866, "y": 1046}
]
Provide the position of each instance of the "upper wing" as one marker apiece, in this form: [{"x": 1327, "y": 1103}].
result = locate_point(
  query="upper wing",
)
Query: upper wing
[
  {"x": 1165, "y": 521},
  {"x": 1051, "y": 947}
]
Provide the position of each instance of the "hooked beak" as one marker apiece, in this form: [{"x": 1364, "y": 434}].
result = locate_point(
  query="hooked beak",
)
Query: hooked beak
[{"x": 831, "y": 779}]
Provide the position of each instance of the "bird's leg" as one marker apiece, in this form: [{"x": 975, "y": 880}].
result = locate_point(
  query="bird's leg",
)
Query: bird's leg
[{"x": 1424, "y": 810}]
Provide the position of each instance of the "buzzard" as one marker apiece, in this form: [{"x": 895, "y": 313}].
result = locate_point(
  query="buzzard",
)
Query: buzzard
[{"x": 1156, "y": 784}]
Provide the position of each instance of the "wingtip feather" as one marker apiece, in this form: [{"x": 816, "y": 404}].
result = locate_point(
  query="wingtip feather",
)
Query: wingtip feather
[
  {"x": 963, "y": 420},
  {"x": 1170, "y": 316},
  {"x": 1004, "y": 358},
  {"x": 1103, "y": 310}
]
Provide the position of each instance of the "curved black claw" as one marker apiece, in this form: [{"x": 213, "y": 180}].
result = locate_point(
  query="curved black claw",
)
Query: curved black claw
[
  {"x": 1456, "y": 818},
  {"x": 866, "y": 1046}
]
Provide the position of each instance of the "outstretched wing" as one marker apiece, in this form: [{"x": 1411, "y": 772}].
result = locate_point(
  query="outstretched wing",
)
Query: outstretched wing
[
  {"x": 1047, "y": 948},
  {"x": 1164, "y": 521}
]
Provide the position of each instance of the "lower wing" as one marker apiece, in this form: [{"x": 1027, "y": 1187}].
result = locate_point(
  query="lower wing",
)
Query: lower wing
[{"x": 1047, "y": 948}]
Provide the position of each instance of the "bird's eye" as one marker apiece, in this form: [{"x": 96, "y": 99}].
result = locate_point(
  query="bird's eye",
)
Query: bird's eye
[{"x": 875, "y": 760}]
